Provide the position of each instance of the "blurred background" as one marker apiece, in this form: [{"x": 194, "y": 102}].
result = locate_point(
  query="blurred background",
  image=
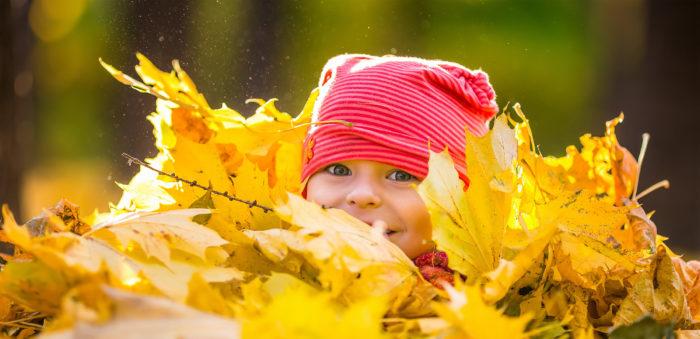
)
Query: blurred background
[{"x": 571, "y": 64}]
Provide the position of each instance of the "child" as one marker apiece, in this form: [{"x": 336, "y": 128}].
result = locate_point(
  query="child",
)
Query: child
[{"x": 398, "y": 108}]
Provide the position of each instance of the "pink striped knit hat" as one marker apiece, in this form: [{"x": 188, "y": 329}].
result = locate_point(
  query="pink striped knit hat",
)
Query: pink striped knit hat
[{"x": 397, "y": 108}]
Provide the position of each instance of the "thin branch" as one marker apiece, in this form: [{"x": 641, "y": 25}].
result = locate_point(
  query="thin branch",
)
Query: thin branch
[{"x": 131, "y": 160}]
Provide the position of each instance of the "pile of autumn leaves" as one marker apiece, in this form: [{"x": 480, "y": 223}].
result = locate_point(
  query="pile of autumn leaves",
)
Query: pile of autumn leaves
[{"x": 544, "y": 246}]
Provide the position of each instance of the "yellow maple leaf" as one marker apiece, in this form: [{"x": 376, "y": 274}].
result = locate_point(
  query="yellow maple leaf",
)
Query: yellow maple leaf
[
  {"x": 215, "y": 147},
  {"x": 470, "y": 317},
  {"x": 205, "y": 297},
  {"x": 601, "y": 166},
  {"x": 35, "y": 285},
  {"x": 256, "y": 134},
  {"x": 321, "y": 316},
  {"x": 201, "y": 163},
  {"x": 509, "y": 271},
  {"x": 657, "y": 291},
  {"x": 144, "y": 192},
  {"x": 174, "y": 281},
  {"x": 77, "y": 257},
  {"x": 586, "y": 249},
  {"x": 689, "y": 272},
  {"x": 469, "y": 226},
  {"x": 352, "y": 260},
  {"x": 175, "y": 86},
  {"x": 146, "y": 316},
  {"x": 159, "y": 232},
  {"x": 158, "y": 235}
]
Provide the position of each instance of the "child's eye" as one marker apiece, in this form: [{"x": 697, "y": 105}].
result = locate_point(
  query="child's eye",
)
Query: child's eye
[
  {"x": 338, "y": 169},
  {"x": 399, "y": 175}
]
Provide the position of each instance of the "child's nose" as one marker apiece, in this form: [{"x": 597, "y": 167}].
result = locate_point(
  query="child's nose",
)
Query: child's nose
[{"x": 364, "y": 197}]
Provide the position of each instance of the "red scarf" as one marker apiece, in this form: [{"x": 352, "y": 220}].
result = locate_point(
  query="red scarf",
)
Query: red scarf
[{"x": 433, "y": 267}]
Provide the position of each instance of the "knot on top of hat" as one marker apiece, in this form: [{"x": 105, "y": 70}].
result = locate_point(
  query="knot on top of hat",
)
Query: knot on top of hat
[{"x": 467, "y": 86}]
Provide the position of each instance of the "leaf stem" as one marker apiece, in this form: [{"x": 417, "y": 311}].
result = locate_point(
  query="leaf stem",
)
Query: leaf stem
[
  {"x": 642, "y": 152},
  {"x": 661, "y": 184},
  {"x": 24, "y": 322},
  {"x": 29, "y": 325}
]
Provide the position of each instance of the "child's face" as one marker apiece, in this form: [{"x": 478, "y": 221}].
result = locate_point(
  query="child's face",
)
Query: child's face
[{"x": 378, "y": 194}]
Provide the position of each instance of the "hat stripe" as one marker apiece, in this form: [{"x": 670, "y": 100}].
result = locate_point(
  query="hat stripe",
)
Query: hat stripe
[{"x": 436, "y": 114}]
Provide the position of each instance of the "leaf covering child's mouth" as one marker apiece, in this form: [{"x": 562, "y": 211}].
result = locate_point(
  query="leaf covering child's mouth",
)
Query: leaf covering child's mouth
[{"x": 382, "y": 227}]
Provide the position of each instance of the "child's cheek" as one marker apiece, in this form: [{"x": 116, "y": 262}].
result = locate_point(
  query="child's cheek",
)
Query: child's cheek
[
  {"x": 322, "y": 190},
  {"x": 418, "y": 237},
  {"x": 425, "y": 230},
  {"x": 420, "y": 216}
]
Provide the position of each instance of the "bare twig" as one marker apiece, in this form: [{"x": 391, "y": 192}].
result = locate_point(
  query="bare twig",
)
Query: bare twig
[{"x": 131, "y": 160}]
